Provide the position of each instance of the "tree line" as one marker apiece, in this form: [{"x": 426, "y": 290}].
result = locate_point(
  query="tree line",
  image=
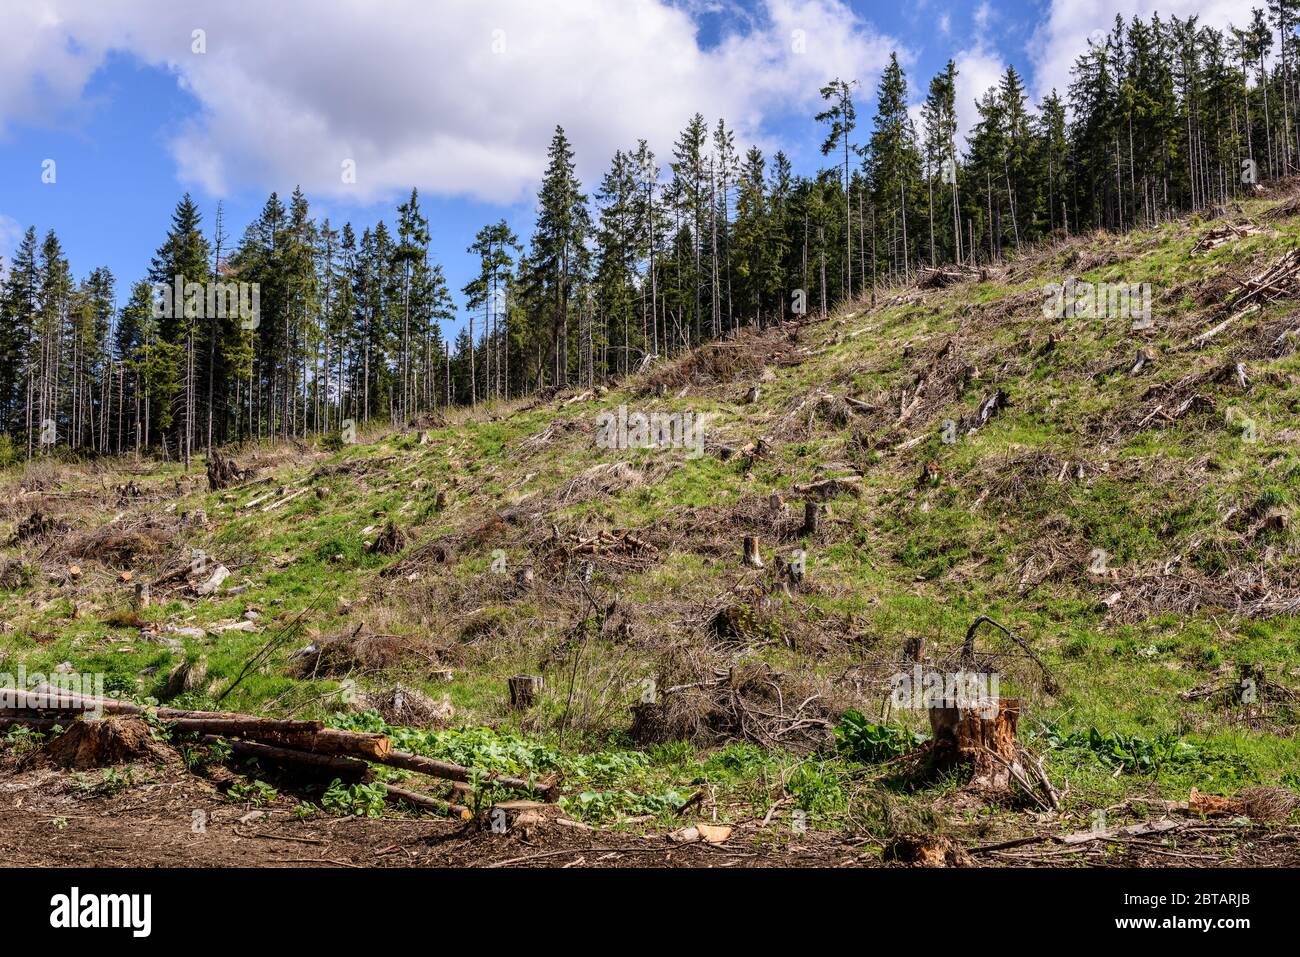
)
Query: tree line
[{"x": 1161, "y": 117}]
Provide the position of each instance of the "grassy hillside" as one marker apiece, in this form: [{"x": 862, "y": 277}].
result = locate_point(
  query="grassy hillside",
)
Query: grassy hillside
[{"x": 1125, "y": 513}]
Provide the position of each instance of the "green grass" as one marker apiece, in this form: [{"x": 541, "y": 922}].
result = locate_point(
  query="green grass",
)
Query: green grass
[{"x": 903, "y": 559}]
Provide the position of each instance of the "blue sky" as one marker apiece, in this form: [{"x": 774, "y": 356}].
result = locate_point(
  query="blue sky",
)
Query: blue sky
[{"x": 455, "y": 98}]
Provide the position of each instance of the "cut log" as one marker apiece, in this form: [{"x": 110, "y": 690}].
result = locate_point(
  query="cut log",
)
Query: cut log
[
  {"x": 830, "y": 488},
  {"x": 357, "y": 744},
  {"x": 972, "y": 736},
  {"x": 1143, "y": 829},
  {"x": 429, "y": 803},
  {"x": 35, "y": 722},
  {"x": 245, "y": 727},
  {"x": 524, "y": 690},
  {"x": 455, "y": 772},
  {"x": 293, "y": 734},
  {"x": 329, "y": 764},
  {"x": 749, "y": 554}
]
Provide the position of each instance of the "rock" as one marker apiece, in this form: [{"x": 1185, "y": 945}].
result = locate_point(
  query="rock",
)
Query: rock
[
  {"x": 210, "y": 586},
  {"x": 185, "y": 632}
]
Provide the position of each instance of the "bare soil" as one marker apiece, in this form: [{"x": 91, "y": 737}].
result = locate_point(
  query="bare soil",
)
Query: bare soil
[{"x": 55, "y": 818}]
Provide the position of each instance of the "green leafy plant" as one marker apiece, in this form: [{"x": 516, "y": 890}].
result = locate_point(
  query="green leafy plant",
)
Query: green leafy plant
[
  {"x": 255, "y": 793},
  {"x": 361, "y": 800},
  {"x": 859, "y": 740}
]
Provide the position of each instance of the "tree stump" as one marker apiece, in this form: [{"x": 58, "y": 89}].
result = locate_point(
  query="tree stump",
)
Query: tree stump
[
  {"x": 810, "y": 517},
  {"x": 524, "y": 690},
  {"x": 984, "y": 738},
  {"x": 913, "y": 648},
  {"x": 750, "y": 554}
]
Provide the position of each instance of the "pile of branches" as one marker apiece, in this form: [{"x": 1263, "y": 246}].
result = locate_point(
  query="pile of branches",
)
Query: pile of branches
[
  {"x": 1226, "y": 233},
  {"x": 616, "y": 543},
  {"x": 119, "y": 544},
  {"x": 1280, "y": 280},
  {"x": 1252, "y": 694},
  {"x": 305, "y": 746},
  {"x": 749, "y": 702},
  {"x": 945, "y": 276},
  {"x": 224, "y": 472}
]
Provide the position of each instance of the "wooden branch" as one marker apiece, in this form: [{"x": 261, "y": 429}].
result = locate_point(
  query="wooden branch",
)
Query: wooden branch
[{"x": 284, "y": 501}]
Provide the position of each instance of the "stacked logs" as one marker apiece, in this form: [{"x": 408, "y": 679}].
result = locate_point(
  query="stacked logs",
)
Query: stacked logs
[{"x": 298, "y": 743}]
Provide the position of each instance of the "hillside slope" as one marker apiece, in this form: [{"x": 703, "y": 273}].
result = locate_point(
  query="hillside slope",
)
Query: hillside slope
[{"x": 1119, "y": 500}]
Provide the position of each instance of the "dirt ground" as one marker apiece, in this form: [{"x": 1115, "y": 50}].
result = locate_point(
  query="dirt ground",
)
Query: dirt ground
[{"x": 50, "y": 818}]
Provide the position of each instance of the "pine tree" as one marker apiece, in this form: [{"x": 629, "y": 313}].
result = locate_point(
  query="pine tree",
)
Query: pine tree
[
  {"x": 559, "y": 244},
  {"x": 842, "y": 117}
]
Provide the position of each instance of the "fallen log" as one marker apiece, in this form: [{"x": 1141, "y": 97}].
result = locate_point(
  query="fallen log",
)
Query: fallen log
[
  {"x": 295, "y": 734},
  {"x": 283, "y": 734},
  {"x": 357, "y": 744},
  {"x": 246, "y": 727},
  {"x": 285, "y": 501},
  {"x": 1132, "y": 830},
  {"x": 430, "y": 803},
  {"x": 49, "y": 697},
  {"x": 34, "y": 723},
  {"x": 328, "y": 763},
  {"x": 455, "y": 772}
]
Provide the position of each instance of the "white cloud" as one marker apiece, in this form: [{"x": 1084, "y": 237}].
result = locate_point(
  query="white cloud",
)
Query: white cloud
[
  {"x": 1058, "y": 40},
  {"x": 456, "y": 98},
  {"x": 11, "y": 234},
  {"x": 978, "y": 68}
]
